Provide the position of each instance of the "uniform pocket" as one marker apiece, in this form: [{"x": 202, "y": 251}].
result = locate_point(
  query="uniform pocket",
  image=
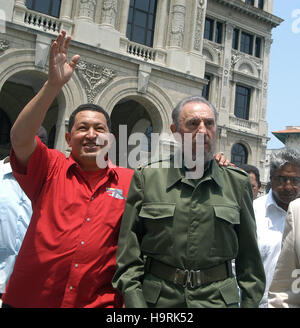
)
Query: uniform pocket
[
  {"x": 151, "y": 290},
  {"x": 230, "y": 293},
  {"x": 156, "y": 211},
  {"x": 225, "y": 244},
  {"x": 157, "y": 220}
]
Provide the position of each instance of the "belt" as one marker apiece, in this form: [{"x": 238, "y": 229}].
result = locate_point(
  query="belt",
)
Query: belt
[{"x": 193, "y": 278}]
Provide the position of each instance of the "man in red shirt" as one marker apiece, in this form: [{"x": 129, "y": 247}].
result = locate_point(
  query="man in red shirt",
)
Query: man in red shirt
[{"x": 68, "y": 255}]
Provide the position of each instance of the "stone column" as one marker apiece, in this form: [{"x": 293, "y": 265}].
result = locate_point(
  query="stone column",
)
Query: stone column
[
  {"x": 66, "y": 15},
  {"x": 66, "y": 9},
  {"x": 160, "y": 25},
  {"x": 124, "y": 16}
]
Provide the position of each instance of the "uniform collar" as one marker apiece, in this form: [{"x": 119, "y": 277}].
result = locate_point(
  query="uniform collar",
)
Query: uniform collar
[{"x": 212, "y": 172}]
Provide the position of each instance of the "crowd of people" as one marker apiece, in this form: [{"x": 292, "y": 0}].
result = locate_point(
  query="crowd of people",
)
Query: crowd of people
[{"x": 76, "y": 235}]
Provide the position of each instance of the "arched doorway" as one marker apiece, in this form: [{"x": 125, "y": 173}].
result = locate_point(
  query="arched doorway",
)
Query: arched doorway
[
  {"x": 239, "y": 154},
  {"x": 131, "y": 116},
  {"x": 18, "y": 90}
]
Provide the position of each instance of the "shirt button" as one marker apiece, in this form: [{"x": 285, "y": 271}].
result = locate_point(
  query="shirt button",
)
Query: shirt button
[
  {"x": 82, "y": 243},
  {"x": 92, "y": 198},
  {"x": 71, "y": 287},
  {"x": 76, "y": 265},
  {"x": 88, "y": 219}
]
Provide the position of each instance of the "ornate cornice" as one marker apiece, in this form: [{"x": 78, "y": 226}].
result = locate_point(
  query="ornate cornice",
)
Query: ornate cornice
[{"x": 252, "y": 11}]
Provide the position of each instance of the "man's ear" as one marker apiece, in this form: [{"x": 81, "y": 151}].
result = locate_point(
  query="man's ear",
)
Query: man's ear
[
  {"x": 68, "y": 138},
  {"x": 173, "y": 128}
]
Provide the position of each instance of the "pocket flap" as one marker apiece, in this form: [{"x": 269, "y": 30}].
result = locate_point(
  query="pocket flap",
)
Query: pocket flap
[
  {"x": 228, "y": 213},
  {"x": 157, "y": 210},
  {"x": 151, "y": 290},
  {"x": 230, "y": 293}
]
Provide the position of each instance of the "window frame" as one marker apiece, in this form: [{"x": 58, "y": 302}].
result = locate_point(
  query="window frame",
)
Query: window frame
[
  {"x": 239, "y": 111},
  {"x": 50, "y": 7},
  {"x": 130, "y": 30},
  {"x": 238, "y": 154}
]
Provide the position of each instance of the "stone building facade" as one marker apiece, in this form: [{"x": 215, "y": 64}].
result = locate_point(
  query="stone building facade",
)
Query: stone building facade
[{"x": 139, "y": 58}]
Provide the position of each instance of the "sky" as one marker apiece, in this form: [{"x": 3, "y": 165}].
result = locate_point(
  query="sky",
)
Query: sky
[{"x": 284, "y": 88}]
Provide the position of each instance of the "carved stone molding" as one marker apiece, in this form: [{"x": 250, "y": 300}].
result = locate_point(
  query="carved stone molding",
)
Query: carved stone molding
[
  {"x": 4, "y": 45},
  {"x": 87, "y": 8},
  {"x": 109, "y": 12},
  {"x": 94, "y": 77},
  {"x": 177, "y": 26},
  {"x": 199, "y": 25}
]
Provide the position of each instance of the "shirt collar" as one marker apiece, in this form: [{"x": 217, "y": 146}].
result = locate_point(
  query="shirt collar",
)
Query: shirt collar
[
  {"x": 272, "y": 203},
  {"x": 110, "y": 166},
  {"x": 6, "y": 167}
]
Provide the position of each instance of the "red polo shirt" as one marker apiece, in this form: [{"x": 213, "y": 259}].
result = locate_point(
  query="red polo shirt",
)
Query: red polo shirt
[{"x": 68, "y": 256}]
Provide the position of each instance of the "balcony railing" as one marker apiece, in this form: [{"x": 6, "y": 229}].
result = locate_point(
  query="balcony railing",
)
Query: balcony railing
[
  {"x": 42, "y": 22},
  {"x": 141, "y": 51},
  {"x": 241, "y": 123}
]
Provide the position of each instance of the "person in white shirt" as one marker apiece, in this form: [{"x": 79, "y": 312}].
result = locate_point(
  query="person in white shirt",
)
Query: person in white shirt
[
  {"x": 270, "y": 210},
  {"x": 284, "y": 291}
]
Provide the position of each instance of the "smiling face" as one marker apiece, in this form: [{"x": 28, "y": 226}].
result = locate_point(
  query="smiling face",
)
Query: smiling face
[
  {"x": 197, "y": 117},
  {"x": 88, "y": 125}
]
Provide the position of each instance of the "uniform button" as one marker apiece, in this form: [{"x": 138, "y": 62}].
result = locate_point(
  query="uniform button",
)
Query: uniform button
[
  {"x": 88, "y": 219},
  {"x": 82, "y": 243},
  {"x": 93, "y": 198},
  {"x": 71, "y": 287},
  {"x": 76, "y": 265}
]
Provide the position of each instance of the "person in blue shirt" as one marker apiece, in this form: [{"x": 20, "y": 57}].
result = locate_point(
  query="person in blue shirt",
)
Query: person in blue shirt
[{"x": 15, "y": 215}]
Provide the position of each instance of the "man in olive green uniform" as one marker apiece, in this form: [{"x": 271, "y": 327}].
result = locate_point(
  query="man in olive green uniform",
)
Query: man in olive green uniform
[{"x": 179, "y": 235}]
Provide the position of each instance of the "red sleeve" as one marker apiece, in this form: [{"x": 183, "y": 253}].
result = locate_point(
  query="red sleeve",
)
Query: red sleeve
[{"x": 32, "y": 177}]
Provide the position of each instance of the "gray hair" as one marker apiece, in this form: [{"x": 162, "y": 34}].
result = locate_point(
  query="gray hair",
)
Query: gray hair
[
  {"x": 176, "y": 111},
  {"x": 283, "y": 157}
]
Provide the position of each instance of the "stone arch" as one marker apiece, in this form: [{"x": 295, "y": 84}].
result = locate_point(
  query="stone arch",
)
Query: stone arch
[
  {"x": 211, "y": 54},
  {"x": 156, "y": 101},
  {"x": 19, "y": 63},
  {"x": 246, "y": 66}
]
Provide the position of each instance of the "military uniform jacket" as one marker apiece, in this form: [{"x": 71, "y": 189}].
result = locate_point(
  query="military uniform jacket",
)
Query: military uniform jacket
[{"x": 189, "y": 224}]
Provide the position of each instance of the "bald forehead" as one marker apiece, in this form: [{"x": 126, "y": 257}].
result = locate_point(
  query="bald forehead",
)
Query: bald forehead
[{"x": 198, "y": 109}]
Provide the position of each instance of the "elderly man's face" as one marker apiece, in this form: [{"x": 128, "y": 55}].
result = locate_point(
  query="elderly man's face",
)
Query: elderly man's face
[
  {"x": 285, "y": 185},
  {"x": 196, "y": 117}
]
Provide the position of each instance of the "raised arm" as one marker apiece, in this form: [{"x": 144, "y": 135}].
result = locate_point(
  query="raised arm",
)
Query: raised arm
[{"x": 32, "y": 116}]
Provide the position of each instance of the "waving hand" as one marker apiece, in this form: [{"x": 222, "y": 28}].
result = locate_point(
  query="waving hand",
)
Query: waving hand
[{"x": 60, "y": 71}]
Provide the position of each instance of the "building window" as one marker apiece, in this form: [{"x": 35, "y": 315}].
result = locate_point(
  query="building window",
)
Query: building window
[
  {"x": 235, "y": 39},
  {"x": 48, "y": 7},
  {"x": 261, "y": 4},
  {"x": 141, "y": 21},
  {"x": 219, "y": 32},
  {"x": 239, "y": 154},
  {"x": 250, "y": 2},
  {"x": 5, "y": 127},
  {"x": 246, "y": 43},
  {"x": 209, "y": 29},
  {"x": 257, "y": 47},
  {"x": 242, "y": 102},
  {"x": 205, "y": 90},
  {"x": 213, "y": 30}
]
